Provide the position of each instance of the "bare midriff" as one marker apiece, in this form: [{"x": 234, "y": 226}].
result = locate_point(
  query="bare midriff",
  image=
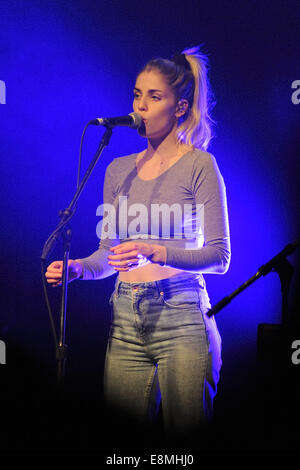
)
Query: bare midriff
[{"x": 149, "y": 273}]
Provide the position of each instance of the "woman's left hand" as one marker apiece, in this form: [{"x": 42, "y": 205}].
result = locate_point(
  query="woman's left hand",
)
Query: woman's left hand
[{"x": 131, "y": 255}]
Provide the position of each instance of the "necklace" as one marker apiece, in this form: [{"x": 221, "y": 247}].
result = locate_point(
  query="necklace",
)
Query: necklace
[{"x": 179, "y": 153}]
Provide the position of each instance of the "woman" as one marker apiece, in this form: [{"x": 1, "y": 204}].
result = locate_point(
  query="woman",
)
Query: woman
[{"x": 167, "y": 225}]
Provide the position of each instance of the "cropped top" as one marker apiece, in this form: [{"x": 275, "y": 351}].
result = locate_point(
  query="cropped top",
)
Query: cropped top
[{"x": 184, "y": 209}]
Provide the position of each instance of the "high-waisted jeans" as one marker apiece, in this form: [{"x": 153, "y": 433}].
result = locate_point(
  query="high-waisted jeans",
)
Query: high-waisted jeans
[{"x": 163, "y": 347}]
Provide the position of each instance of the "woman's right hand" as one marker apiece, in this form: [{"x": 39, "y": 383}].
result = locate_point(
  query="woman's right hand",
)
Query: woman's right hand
[{"x": 54, "y": 272}]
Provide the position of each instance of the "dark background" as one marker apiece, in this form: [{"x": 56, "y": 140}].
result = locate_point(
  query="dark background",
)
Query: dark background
[{"x": 64, "y": 63}]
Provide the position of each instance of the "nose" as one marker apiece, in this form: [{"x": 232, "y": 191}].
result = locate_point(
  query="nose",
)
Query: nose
[{"x": 142, "y": 104}]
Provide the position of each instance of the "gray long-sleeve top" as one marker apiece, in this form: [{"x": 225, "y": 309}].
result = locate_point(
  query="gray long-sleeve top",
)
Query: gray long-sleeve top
[{"x": 184, "y": 209}]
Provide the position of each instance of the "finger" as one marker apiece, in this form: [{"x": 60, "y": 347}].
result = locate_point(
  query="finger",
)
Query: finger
[
  {"x": 124, "y": 255},
  {"x": 53, "y": 275},
  {"x": 120, "y": 251},
  {"x": 55, "y": 265},
  {"x": 129, "y": 266},
  {"x": 53, "y": 281},
  {"x": 118, "y": 263},
  {"x": 133, "y": 262},
  {"x": 124, "y": 247},
  {"x": 116, "y": 247},
  {"x": 113, "y": 248},
  {"x": 54, "y": 269},
  {"x": 124, "y": 263}
]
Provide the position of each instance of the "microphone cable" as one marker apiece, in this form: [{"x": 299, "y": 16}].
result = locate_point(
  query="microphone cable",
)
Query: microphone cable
[
  {"x": 51, "y": 316},
  {"x": 80, "y": 153}
]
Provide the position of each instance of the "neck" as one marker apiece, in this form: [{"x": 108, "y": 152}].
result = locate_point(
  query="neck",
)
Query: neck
[{"x": 164, "y": 147}]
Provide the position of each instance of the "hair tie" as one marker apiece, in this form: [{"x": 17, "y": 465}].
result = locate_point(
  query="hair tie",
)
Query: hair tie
[{"x": 180, "y": 59}]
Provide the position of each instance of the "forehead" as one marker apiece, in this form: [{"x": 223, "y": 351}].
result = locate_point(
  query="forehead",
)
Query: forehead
[{"x": 152, "y": 80}]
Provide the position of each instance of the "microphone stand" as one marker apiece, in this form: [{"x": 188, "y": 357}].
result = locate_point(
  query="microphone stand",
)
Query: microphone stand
[
  {"x": 277, "y": 378},
  {"x": 279, "y": 264},
  {"x": 61, "y": 230}
]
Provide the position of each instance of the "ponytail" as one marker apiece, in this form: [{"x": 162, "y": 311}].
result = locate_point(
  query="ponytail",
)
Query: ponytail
[
  {"x": 187, "y": 75},
  {"x": 196, "y": 127}
]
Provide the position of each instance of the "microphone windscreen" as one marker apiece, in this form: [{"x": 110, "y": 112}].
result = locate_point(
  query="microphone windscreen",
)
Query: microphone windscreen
[{"x": 137, "y": 120}]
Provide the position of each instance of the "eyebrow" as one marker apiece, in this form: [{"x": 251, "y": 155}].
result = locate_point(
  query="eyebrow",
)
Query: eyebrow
[{"x": 149, "y": 91}]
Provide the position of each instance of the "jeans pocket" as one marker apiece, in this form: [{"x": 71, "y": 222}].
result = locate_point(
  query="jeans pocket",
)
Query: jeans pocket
[{"x": 181, "y": 299}]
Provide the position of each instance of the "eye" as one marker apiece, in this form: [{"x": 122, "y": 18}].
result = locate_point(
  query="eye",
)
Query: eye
[
  {"x": 136, "y": 95},
  {"x": 156, "y": 98}
]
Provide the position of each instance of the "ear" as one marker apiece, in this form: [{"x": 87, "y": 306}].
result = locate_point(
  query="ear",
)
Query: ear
[{"x": 181, "y": 108}]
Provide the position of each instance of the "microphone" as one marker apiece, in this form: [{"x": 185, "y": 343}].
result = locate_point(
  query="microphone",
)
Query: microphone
[{"x": 133, "y": 120}]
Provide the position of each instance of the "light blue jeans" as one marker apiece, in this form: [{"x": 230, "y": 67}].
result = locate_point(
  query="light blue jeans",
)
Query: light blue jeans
[{"x": 162, "y": 346}]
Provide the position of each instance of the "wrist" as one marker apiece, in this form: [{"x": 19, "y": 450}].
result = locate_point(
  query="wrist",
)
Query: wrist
[
  {"x": 159, "y": 255},
  {"x": 78, "y": 269}
]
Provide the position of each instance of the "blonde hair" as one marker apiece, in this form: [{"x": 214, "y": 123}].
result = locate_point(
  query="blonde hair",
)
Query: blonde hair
[{"x": 187, "y": 74}]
